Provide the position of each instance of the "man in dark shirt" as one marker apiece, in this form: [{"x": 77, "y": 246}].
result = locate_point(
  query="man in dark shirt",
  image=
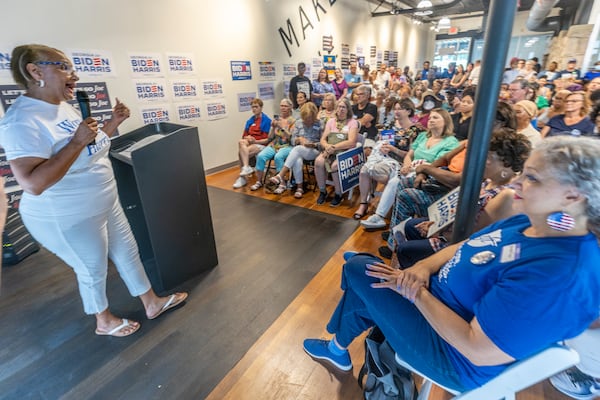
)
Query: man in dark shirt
[
  {"x": 300, "y": 83},
  {"x": 423, "y": 74},
  {"x": 365, "y": 112}
]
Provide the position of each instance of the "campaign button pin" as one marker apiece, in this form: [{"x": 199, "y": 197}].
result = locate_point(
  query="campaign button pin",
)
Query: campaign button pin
[{"x": 483, "y": 257}]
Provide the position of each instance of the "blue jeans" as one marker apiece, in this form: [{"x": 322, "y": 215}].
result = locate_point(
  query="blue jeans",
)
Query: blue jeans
[
  {"x": 415, "y": 248},
  {"x": 408, "y": 332}
]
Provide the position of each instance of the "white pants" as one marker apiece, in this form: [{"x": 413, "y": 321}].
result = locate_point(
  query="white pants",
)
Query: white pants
[
  {"x": 85, "y": 243},
  {"x": 588, "y": 346},
  {"x": 388, "y": 196},
  {"x": 294, "y": 160}
]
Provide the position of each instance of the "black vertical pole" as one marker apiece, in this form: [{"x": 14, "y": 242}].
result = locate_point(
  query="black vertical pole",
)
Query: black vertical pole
[{"x": 496, "y": 41}]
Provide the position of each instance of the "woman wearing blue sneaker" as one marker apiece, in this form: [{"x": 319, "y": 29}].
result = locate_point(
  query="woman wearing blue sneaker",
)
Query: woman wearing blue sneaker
[
  {"x": 466, "y": 313},
  {"x": 582, "y": 382}
]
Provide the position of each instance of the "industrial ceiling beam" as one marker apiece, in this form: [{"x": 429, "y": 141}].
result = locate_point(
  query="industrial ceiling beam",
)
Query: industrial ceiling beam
[{"x": 404, "y": 11}]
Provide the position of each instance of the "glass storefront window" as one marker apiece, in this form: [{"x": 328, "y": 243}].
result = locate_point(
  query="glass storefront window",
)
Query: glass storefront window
[
  {"x": 524, "y": 47},
  {"x": 451, "y": 50}
]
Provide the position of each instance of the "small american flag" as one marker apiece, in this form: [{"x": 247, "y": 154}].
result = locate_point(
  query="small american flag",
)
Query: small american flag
[{"x": 560, "y": 221}]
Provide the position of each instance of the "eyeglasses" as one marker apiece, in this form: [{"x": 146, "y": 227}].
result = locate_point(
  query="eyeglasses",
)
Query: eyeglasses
[{"x": 62, "y": 65}]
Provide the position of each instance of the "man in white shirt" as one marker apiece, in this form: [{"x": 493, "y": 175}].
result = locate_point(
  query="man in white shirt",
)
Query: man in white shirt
[{"x": 383, "y": 77}]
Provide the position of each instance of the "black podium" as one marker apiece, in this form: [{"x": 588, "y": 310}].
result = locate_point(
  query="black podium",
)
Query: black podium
[{"x": 162, "y": 188}]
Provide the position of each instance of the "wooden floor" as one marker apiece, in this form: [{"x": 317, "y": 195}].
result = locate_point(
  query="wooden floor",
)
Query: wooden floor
[
  {"x": 268, "y": 253},
  {"x": 276, "y": 367}
]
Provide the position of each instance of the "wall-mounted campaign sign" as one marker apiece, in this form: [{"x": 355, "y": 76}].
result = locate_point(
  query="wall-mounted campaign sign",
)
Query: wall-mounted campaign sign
[
  {"x": 100, "y": 104},
  {"x": 155, "y": 114},
  {"x": 266, "y": 91},
  {"x": 349, "y": 164},
  {"x": 289, "y": 70},
  {"x": 146, "y": 64},
  {"x": 8, "y": 95},
  {"x": 215, "y": 109},
  {"x": 4, "y": 61},
  {"x": 92, "y": 62},
  {"x": 329, "y": 65},
  {"x": 185, "y": 90},
  {"x": 150, "y": 89},
  {"x": 188, "y": 112},
  {"x": 240, "y": 70},
  {"x": 212, "y": 88},
  {"x": 266, "y": 70},
  {"x": 181, "y": 63},
  {"x": 244, "y": 100}
]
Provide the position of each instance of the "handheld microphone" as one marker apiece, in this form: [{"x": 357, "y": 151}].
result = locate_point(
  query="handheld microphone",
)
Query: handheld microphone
[{"x": 84, "y": 106}]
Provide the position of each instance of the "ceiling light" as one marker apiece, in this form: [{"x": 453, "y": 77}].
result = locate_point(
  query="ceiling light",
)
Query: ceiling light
[
  {"x": 444, "y": 23},
  {"x": 424, "y": 13},
  {"x": 424, "y": 4}
]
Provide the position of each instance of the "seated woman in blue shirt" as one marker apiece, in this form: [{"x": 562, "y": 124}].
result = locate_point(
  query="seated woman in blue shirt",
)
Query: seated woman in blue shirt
[
  {"x": 574, "y": 121},
  {"x": 463, "y": 315}
]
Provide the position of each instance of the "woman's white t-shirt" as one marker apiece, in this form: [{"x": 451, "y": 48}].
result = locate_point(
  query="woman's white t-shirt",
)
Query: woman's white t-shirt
[{"x": 35, "y": 128}]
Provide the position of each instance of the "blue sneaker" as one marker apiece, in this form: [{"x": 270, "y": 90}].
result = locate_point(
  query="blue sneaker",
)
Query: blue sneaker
[
  {"x": 319, "y": 350},
  {"x": 349, "y": 254},
  {"x": 576, "y": 384}
]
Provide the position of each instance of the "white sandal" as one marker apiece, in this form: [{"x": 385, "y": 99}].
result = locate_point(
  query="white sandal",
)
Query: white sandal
[
  {"x": 299, "y": 193},
  {"x": 276, "y": 179},
  {"x": 280, "y": 189},
  {"x": 256, "y": 186}
]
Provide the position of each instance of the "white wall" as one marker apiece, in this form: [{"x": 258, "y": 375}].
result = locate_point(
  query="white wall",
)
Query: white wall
[{"x": 216, "y": 32}]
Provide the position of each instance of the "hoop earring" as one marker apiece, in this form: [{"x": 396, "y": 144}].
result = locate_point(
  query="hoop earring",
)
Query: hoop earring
[
  {"x": 41, "y": 83},
  {"x": 503, "y": 174},
  {"x": 560, "y": 221}
]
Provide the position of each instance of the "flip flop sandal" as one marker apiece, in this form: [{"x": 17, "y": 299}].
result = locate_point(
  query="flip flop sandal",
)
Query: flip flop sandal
[
  {"x": 113, "y": 331},
  {"x": 172, "y": 302}
]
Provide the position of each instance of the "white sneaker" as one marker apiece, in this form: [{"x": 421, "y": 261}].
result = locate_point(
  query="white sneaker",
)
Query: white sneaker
[
  {"x": 374, "y": 222},
  {"x": 239, "y": 182},
  {"x": 246, "y": 170},
  {"x": 576, "y": 384}
]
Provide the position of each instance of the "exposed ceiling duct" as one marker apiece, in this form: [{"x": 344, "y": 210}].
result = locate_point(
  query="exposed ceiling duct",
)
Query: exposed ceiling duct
[
  {"x": 539, "y": 21},
  {"x": 415, "y": 10}
]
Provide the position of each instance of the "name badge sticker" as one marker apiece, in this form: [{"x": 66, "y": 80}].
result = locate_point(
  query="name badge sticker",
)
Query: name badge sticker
[{"x": 510, "y": 253}]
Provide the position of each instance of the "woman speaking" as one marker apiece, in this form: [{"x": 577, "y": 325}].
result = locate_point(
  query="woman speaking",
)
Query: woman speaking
[{"x": 70, "y": 202}]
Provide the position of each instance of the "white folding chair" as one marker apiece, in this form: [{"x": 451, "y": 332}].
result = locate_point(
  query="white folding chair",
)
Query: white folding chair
[{"x": 515, "y": 378}]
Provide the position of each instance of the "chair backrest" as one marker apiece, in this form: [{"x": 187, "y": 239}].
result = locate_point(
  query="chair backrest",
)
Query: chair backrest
[{"x": 515, "y": 378}]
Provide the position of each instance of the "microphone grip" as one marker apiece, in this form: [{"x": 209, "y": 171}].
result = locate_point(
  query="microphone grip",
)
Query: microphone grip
[{"x": 84, "y": 105}]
